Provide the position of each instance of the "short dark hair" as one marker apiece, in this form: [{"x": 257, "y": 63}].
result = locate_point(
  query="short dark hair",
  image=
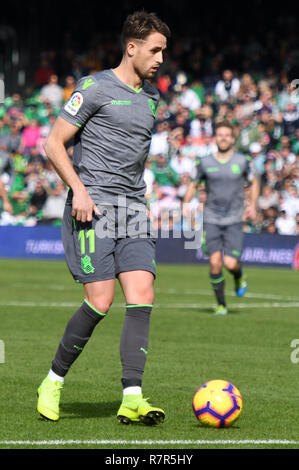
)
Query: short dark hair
[
  {"x": 223, "y": 124},
  {"x": 140, "y": 24}
]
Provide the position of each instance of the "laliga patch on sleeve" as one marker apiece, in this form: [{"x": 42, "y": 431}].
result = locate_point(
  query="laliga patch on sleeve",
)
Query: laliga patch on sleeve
[{"x": 74, "y": 103}]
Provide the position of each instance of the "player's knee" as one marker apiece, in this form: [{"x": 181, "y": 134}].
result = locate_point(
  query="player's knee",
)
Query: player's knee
[
  {"x": 215, "y": 267},
  {"x": 231, "y": 264},
  {"x": 101, "y": 304},
  {"x": 143, "y": 297}
]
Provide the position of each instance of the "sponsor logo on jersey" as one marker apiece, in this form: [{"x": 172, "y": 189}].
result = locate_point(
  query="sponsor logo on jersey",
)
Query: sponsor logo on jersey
[
  {"x": 121, "y": 102},
  {"x": 212, "y": 169},
  {"x": 88, "y": 82},
  {"x": 74, "y": 103}
]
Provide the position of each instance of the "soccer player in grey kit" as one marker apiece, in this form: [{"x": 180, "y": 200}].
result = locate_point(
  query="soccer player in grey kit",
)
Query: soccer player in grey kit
[
  {"x": 110, "y": 115},
  {"x": 225, "y": 173}
]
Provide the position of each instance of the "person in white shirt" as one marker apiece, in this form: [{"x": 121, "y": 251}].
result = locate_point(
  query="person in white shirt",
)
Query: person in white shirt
[
  {"x": 228, "y": 86},
  {"x": 52, "y": 92},
  {"x": 182, "y": 164},
  {"x": 159, "y": 143},
  {"x": 189, "y": 98},
  {"x": 285, "y": 224}
]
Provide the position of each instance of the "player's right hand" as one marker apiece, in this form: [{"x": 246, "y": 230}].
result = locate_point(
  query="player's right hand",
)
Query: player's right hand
[{"x": 83, "y": 206}]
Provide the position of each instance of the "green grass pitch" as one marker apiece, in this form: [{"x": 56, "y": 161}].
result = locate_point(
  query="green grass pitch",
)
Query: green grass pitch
[{"x": 250, "y": 347}]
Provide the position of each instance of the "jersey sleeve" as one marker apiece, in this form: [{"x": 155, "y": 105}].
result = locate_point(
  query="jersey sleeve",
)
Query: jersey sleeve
[
  {"x": 83, "y": 103},
  {"x": 198, "y": 173}
]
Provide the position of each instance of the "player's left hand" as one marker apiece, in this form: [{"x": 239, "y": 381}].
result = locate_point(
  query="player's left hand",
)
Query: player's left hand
[{"x": 250, "y": 213}]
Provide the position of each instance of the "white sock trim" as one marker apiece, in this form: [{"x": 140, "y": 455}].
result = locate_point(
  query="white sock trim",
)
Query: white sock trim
[
  {"x": 52, "y": 376},
  {"x": 132, "y": 391}
]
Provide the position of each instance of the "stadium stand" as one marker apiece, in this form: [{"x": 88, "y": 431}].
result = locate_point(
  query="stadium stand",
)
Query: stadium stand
[{"x": 200, "y": 84}]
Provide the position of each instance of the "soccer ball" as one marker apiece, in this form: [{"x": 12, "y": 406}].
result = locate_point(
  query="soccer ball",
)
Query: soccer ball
[{"x": 217, "y": 404}]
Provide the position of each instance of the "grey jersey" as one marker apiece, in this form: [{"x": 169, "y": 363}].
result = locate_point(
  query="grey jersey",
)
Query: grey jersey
[
  {"x": 115, "y": 123},
  {"x": 225, "y": 183}
]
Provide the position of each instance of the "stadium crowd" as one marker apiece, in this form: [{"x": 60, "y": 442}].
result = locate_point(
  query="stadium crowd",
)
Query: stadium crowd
[{"x": 196, "y": 92}]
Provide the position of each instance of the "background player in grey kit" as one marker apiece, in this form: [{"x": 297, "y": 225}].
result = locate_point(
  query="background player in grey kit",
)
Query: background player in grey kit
[
  {"x": 225, "y": 174},
  {"x": 110, "y": 115}
]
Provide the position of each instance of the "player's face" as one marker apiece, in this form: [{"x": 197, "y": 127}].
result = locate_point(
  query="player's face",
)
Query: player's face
[
  {"x": 224, "y": 139},
  {"x": 148, "y": 55}
]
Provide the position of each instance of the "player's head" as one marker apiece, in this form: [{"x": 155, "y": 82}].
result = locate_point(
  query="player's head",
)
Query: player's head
[
  {"x": 143, "y": 39},
  {"x": 224, "y": 136}
]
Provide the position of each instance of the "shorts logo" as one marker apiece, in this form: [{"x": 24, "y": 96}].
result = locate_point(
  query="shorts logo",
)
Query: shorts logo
[
  {"x": 86, "y": 265},
  {"x": 74, "y": 104}
]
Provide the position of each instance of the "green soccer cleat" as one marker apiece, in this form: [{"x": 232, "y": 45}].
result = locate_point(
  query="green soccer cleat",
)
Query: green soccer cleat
[
  {"x": 220, "y": 310},
  {"x": 135, "y": 408},
  {"x": 48, "y": 399},
  {"x": 241, "y": 286}
]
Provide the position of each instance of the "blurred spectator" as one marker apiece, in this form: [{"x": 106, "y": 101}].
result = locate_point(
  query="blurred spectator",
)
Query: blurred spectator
[
  {"x": 164, "y": 82},
  {"x": 30, "y": 136},
  {"x": 259, "y": 158},
  {"x": 43, "y": 73},
  {"x": 290, "y": 119},
  {"x": 12, "y": 139},
  {"x": 285, "y": 224},
  {"x": 268, "y": 198},
  {"x": 76, "y": 69},
  {"x": 176, "y": 140},
  {"x": 181, "y": 164},
  {"x": 289, "y": 199},
  {"x": 54, "y": 205},
  {"x": 37, "y": 199},
  {"x": 227, "y": 87},
  {"x": 52, "y": 92},
  {"x": 164, "y": 174},
  {"x": 18, "y": 195},
  {"x": 202, "y": 124},
  {"x": 189, "y": 98},
  {"x": 68, "y": 88},
  {"x": 248, "y": 134},
  {"x": 264, "y": 104},
  {"x": 159, "y": 142}
]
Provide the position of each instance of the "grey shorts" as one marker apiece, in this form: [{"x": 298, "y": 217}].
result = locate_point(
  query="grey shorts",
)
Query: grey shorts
[
  {"x": 225, "y": 238},
  {"x": 95, "y": 253}
]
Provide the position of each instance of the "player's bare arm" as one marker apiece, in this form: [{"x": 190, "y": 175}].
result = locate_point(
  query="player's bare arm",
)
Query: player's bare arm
[
  {"x": 190, "y": 193},
  {"x": 62, "y": 131},
  {"x": 6, "y": 204},
  {"x": 250, "y": 211},
  {"x": 191, "y": 190}
]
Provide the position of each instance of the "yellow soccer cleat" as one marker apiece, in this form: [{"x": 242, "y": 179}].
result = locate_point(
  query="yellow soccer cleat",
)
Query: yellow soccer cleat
[
  {"x": 220, "y": 310},
  {"x": 48, "y": 399},
  {"x": 135, "y": 408}
]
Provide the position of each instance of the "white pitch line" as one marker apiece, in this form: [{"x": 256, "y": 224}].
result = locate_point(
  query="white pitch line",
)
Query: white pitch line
[
  {"x": 209, "y": 293},
  {"x": 152, "y": 442},
  {"x": 158, "y": 290},
  {"x": 25, "y": 303}
]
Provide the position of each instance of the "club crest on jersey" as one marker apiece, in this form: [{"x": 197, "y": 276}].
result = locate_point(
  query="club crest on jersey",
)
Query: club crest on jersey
[
  {"x": 152, "y": 106},
  {"x": 74, "y": 103}
]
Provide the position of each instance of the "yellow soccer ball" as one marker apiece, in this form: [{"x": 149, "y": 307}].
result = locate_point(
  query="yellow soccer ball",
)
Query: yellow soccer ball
[{"x": 217, "y": 404}]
